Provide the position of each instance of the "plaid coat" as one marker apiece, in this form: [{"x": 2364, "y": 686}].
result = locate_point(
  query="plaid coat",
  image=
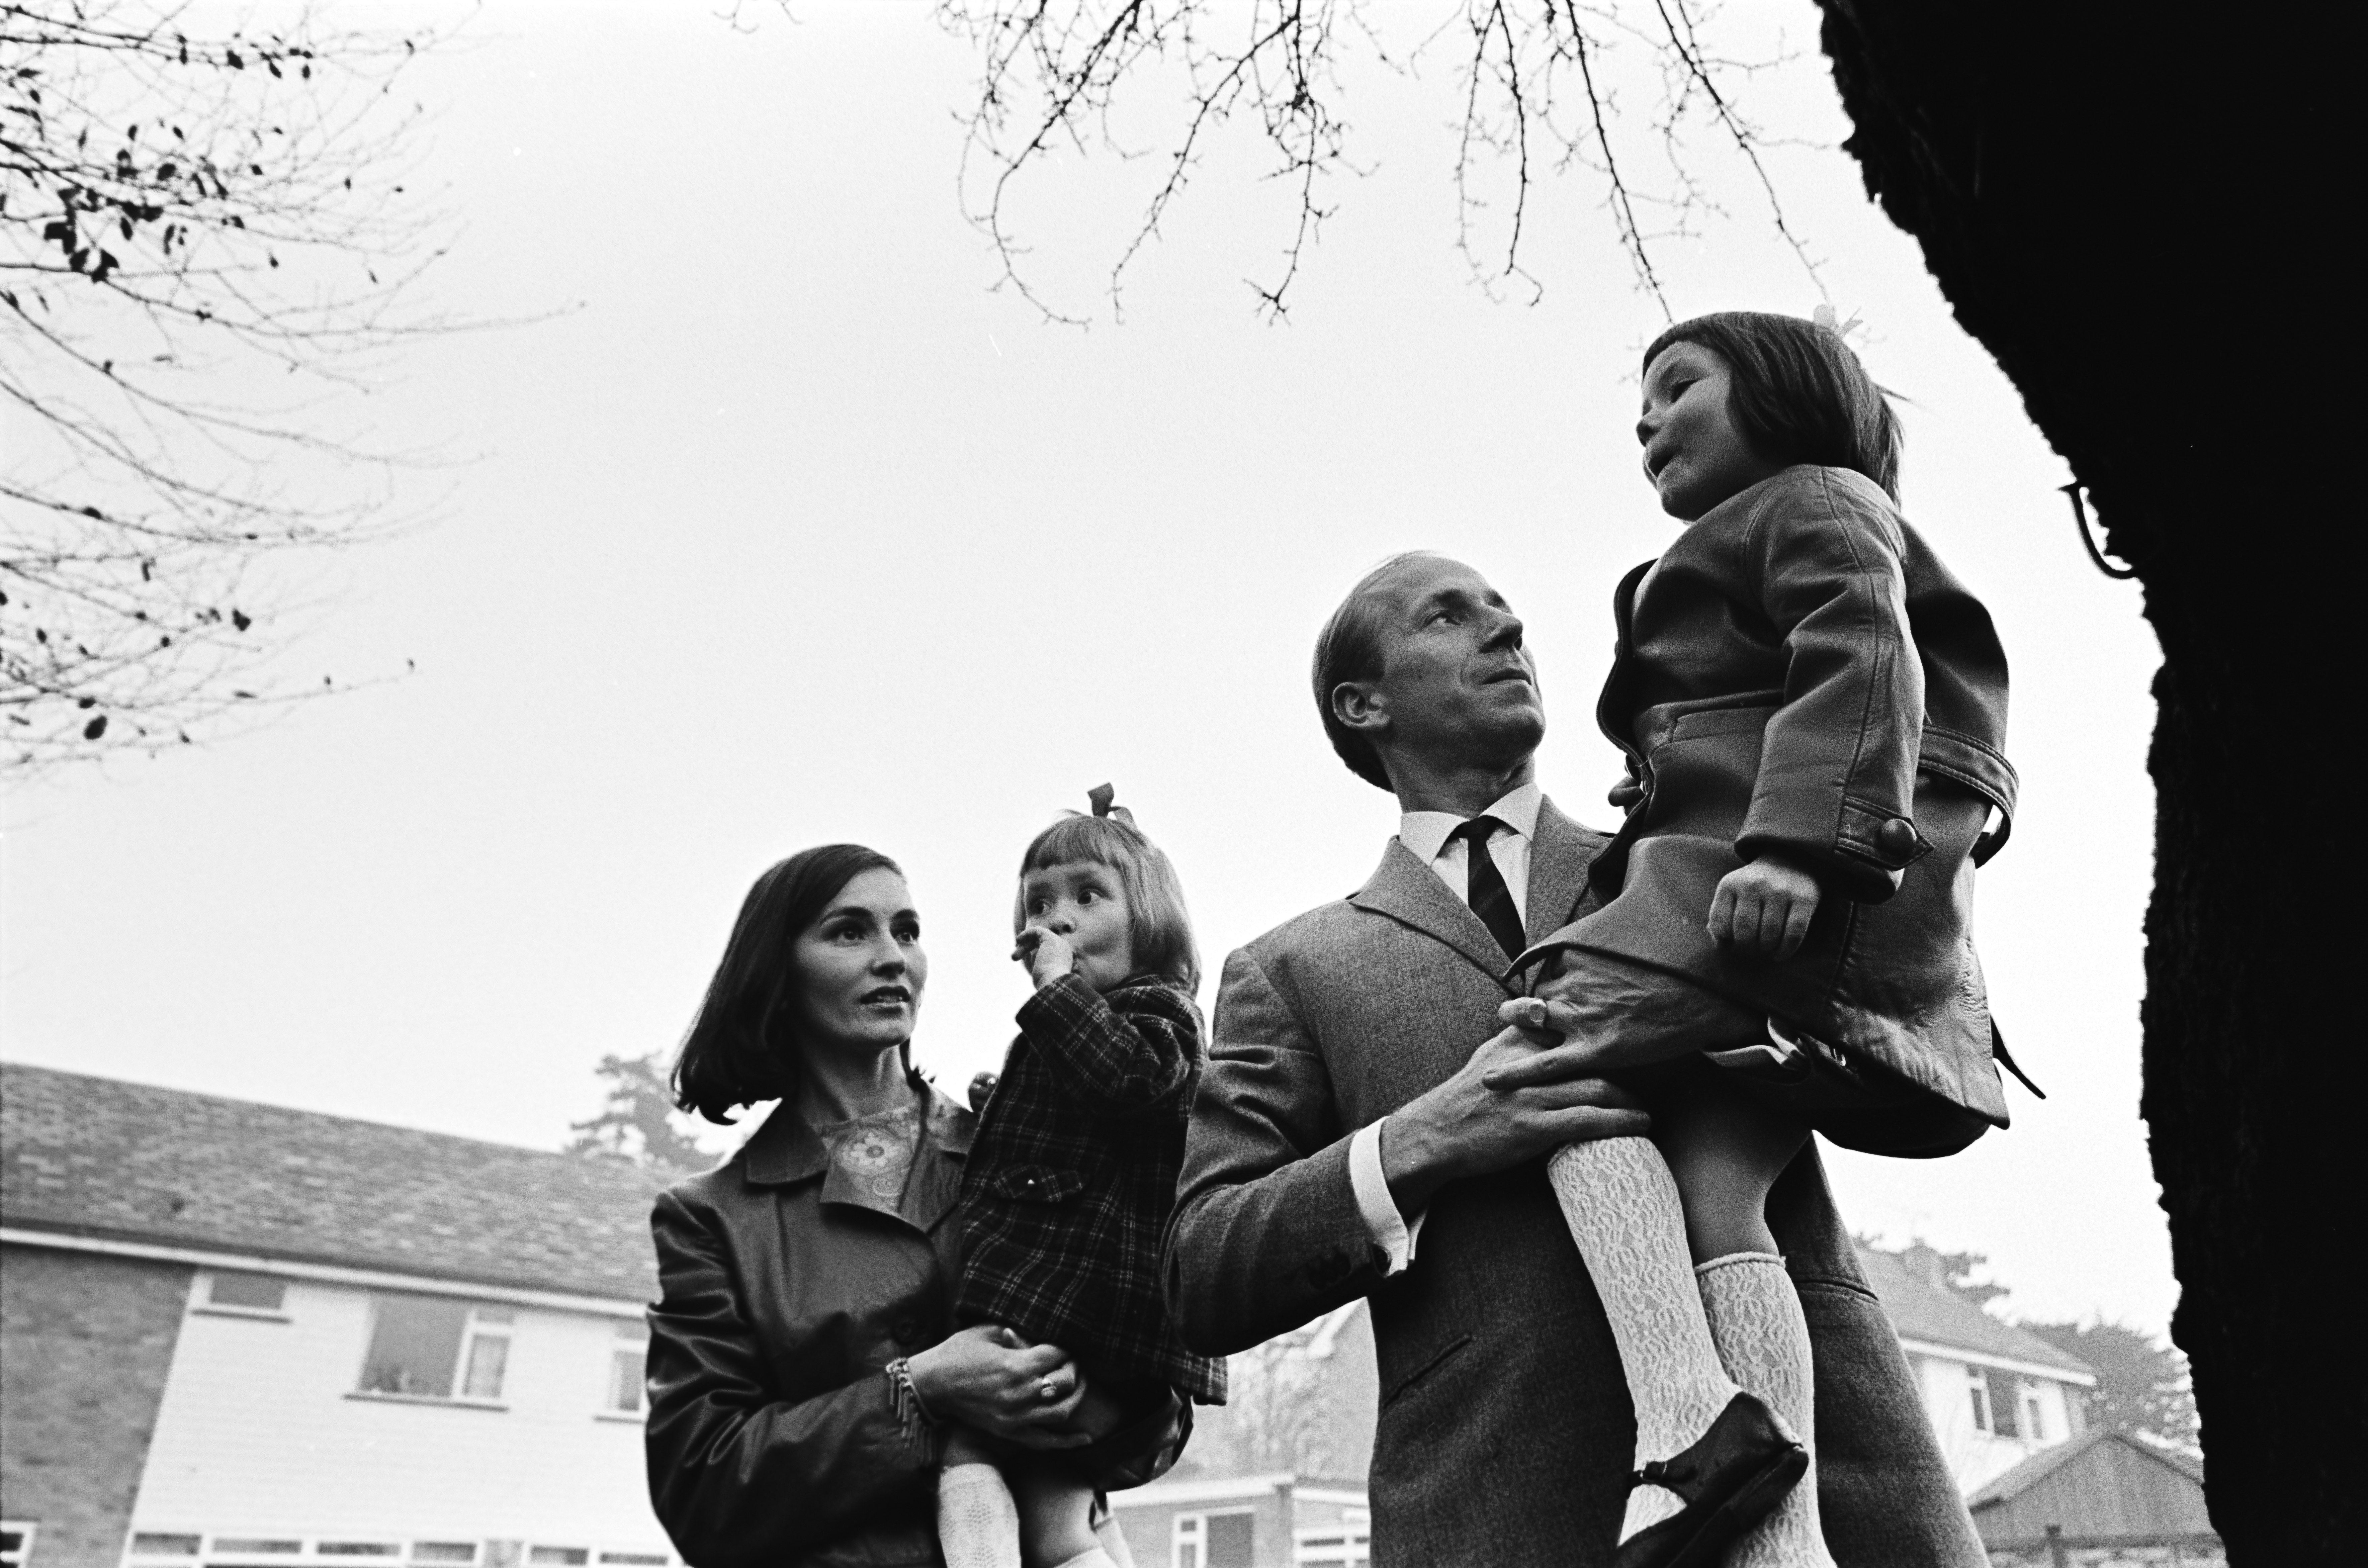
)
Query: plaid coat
[{"x": 1072, "y": 1175}]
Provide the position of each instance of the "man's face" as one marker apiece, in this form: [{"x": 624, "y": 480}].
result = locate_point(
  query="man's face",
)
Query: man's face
[{"x": 1457, "y": 686}]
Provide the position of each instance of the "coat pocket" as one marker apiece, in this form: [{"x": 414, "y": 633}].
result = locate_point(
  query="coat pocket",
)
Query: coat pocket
[
  {"x": 1424, "y": 1368},
  {"x": 1036, "y": 1184}
]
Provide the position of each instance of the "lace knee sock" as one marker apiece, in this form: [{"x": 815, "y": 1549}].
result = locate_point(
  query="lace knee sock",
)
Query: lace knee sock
[
  {"x": 1755, "y": 1317},
  {"x": 978, "y": 1524},
  {"x": 1620, "y": 1204}
]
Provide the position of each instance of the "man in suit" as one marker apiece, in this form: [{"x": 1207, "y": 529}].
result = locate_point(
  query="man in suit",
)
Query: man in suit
[{"x": 1347, "y": 1123}]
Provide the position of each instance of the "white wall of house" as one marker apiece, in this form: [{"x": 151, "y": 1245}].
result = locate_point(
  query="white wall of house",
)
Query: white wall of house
[
  {"x": 1960, "y": 1394},
  {"x": 264, "y": 1433}
]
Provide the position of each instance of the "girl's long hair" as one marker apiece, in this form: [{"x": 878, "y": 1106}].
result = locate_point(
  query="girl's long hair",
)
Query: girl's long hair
[
  {"x": 743, "y": 1047},
  {"x": 1157, "y": 925},
  {"x": 1797, "y": 392}
]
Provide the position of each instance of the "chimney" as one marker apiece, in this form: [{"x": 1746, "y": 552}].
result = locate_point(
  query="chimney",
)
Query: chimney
[{"x": 1926, "y": 1265}]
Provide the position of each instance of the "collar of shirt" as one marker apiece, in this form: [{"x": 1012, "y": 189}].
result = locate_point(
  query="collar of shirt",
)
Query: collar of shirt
[{"x": 1425, "y": 834}]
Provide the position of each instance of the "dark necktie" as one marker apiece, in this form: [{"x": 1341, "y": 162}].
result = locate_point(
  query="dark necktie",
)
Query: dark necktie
[{"x": 1485, "y": 888}]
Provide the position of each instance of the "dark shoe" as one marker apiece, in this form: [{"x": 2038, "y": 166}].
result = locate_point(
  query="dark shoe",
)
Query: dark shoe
[{"x": 1731, "y": 1478}]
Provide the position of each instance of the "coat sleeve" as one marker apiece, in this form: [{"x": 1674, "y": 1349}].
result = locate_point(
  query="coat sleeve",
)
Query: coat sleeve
[
  {"x": 739, "y": 1478},
  {"x": 1123, "y": 1062},
  {"x": 1838, "y": 764},
  {"x": 1267, "y": 1233}
]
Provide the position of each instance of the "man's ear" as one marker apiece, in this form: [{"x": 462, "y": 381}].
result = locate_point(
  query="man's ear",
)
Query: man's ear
[{"x": 1360, "y": 706}]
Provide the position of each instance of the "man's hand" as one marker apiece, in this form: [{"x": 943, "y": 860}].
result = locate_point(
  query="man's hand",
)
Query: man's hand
[
  {"x": 1046, "y": 953},
  {"x": 1764, "y": 908},
  {"x": 1469, "y": 1126}
]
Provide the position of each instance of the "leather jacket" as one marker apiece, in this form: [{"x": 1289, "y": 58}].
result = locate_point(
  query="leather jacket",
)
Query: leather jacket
[{"x": 772, "y": 1439}]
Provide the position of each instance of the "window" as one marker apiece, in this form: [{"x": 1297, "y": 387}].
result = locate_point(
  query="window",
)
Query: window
[
  {"x": 17, "y": 1543},
  {"x": 146, "y": 1545},
  {"x": 1978, "y": 1387},
  {"x": 249, "y": 1546},
  {"x": 246, "y": 1293},
  {"x": 358, "y": 1549},
  {"x": 434, "y": 1347},
  {"x": 2034, "y": 1414},
  {"x": 560, "y": 1556},
  {"x": 2005, "y": 1403},
  {"x": 627, "y": 1366},
  {"x": 636, "y": 1559},
  {"x": 443, "y": 1551},
  {"x": 1214, "y": 1540}
]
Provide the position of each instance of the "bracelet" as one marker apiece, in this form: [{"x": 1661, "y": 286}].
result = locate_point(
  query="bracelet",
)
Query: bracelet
[{"x": 904, "y": 1398}]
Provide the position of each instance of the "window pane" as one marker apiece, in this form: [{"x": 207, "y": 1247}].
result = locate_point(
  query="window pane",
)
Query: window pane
[
  {"x": 2002, "y": 1402},
  {"x": 244, "y": 1546},
  {"x": 259, "y": 1291},
  {"x": 415, "y": 1346},
  {"x": 356, "y": 1548},
  {"x": 625, "y": 1372},
  {"x": 1231, "y": 1540},
  {"x": 164, "y": 1546},
  {"x": 488, "y": 1354},
  {"x": 443, "y": 1551},
  {"x": 563, "y": 1556}
]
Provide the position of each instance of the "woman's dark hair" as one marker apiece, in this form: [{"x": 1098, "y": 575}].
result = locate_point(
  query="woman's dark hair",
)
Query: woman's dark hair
[
  {"x": 1797, "y": 392},
  {"x": 743, "y": 1046},
  {"x": 1350, "y": 648}
]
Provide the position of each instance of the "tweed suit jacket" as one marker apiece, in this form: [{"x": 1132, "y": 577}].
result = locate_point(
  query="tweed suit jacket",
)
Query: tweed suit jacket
[
  {"x": 1506, "y": 1434},
  {"x": 1071, "y": 1176}
]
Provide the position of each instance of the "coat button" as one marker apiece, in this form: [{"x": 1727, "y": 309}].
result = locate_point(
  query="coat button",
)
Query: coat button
[
  {"x": 906, "y": 1330},
  {"x": 1896, "y": 839}
]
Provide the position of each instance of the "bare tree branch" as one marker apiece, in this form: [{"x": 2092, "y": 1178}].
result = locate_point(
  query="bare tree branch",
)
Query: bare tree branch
[
  {"x": 205, "y": 239},
  {"x": 1053, "y": 73}
]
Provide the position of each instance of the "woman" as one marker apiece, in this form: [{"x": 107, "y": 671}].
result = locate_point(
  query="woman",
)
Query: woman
[{"x": 801, "y": 1357}]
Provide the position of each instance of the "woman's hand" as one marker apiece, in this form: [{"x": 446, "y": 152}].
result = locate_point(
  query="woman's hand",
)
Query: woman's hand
[
  {"x": 1047, "y": 954},
  {"x": 990, "y": 1380},
  {"x": 1764, "y": 907}
]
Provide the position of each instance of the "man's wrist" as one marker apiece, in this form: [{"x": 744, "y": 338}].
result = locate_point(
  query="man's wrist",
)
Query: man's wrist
[{"x": 1416, "y": 1162}]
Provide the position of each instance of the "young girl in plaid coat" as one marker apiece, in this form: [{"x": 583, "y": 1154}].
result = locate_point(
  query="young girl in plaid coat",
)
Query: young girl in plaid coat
[{"x": 1068, "y": 1187}]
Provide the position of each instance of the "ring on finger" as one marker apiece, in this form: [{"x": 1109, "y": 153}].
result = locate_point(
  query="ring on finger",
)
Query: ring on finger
[{"x": 1047, "y": 1390}]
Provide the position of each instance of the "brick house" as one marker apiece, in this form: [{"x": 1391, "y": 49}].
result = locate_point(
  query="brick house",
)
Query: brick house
[{"x": 238, "y": 1336}]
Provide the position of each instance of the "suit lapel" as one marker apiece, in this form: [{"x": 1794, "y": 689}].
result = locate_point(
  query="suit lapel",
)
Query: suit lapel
[
  {"x": 1408, "y": 891},
  {"x": 1560, "y": 853}
]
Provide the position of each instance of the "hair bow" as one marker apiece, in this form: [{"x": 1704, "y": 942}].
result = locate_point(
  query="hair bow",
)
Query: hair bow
[{"x": 1101, "y": 796}]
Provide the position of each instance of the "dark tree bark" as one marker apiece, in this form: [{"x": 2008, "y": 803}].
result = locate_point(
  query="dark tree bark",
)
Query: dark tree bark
[{"x": 2132, "y": 207}]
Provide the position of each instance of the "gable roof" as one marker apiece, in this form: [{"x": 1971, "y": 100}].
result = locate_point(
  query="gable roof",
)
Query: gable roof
[
  {"x": 1923, "y": 1310},
  {"x": 2101, "y": 1485},
  {"x": 101, "y": 1158}
]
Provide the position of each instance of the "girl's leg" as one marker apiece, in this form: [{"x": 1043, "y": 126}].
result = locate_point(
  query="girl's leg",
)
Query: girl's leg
[
  {"x": 1056, "y": 1526},
  {"x": 1726, "y": 1152},
  {"x": 1622, "y": 1208},
  {"x": 978, "y": 1523}
]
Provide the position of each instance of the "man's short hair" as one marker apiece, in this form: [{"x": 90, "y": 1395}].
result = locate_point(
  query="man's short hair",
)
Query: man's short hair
[{"x": 1350, "y": 648}]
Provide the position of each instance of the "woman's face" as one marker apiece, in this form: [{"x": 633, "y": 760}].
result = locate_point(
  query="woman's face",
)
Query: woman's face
[
  {"x": 860, "y": 968},
  {"x": 1694, "y": 455}
]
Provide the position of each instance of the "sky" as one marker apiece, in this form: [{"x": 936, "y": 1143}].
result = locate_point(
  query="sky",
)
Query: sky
[{"x": 766, "y": 520}]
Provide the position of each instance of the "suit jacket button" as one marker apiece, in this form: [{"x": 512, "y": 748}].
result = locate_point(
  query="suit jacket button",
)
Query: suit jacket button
[
  {"x": 1896, "y": 839},
  {"x": 907, "y": 1330}
]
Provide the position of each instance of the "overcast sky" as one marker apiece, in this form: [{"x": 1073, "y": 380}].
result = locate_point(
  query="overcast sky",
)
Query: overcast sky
[{"x": 784, "y": 526}]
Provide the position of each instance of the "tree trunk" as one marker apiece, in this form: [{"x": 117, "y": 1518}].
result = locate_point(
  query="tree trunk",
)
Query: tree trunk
[{"x": 2132, "y": 207}]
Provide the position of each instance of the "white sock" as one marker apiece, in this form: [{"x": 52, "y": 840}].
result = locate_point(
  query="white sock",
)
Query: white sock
[
  {"x": 1094, "y": 1558},
  {"x": 1113, "y": 1542},
  {"x": 1755, "y": 1316},
  {"x": 1620, "y": 1204},
  {"x": 978, "y": 1524}
]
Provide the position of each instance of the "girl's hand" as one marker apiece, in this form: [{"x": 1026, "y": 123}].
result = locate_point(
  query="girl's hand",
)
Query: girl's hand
[
  {"x": 988, "y": 1379},
  {"x": 1046, "y": 953},
  {"x": 1764, "y": 907}
]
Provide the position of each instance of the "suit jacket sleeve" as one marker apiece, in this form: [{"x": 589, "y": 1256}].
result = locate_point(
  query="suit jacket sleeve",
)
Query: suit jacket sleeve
[
  {"x": 739, "y": 1478},
  {"x": 1838, "y": 764},
  {"x": 1267, "y": 1233}
]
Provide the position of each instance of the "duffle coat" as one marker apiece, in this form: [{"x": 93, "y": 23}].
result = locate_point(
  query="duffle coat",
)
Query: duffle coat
[{"x": 1799, "y": 675}]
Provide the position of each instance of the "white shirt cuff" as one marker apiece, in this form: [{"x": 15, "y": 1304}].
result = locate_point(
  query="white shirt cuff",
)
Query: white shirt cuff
[{"x": 1389, "y": 1229}]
